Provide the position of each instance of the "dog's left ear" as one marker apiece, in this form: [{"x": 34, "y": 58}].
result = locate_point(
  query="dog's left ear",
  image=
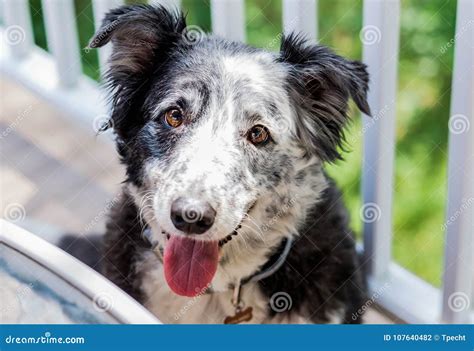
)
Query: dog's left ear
[
  {"x": 143, "y": 38},
  {"x": 321, "y": 83},
  {"x": 138, "y": 33}
]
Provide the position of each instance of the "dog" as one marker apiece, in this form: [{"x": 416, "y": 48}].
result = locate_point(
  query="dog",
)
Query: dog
[{"x": 226, "y": 213}]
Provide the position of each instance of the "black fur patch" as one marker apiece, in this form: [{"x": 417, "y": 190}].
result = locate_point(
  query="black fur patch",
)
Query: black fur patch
[
  {"x": 322, "y": 273},
  {"x": 123, "y": 246}
]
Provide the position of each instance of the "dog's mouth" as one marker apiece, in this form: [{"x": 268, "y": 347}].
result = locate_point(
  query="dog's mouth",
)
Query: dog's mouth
[
  {"x": 221, "y": 242},
  {"x": 190, "y": 264}
]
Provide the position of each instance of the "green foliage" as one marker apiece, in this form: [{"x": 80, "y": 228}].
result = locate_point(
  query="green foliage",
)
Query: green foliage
[
  {"x": 422, "y": 109},
  {"x": 36, "y": 11},
  {"x": 422, "y": 114}
]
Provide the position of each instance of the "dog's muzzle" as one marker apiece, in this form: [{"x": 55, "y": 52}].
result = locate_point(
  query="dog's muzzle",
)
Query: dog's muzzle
[{"x": 192, "y": 216}]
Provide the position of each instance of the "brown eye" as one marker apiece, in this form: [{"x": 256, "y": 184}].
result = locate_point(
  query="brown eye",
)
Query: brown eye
[
  {"x": 174, "y": 117},
  {"x": 258, "y": 135}
]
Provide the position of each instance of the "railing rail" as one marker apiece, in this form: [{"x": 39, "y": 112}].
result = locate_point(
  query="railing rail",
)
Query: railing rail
[
  {"x": 228, "y": 19},
  {"x": 301, "y": 16},
  {"x": 57, "y": 77},
  {"x": 380, "y": 35},
  {"x": 17, "y": 17},
  {"x": 458, "y": 279},
  {"x": 63, "y": 39}
]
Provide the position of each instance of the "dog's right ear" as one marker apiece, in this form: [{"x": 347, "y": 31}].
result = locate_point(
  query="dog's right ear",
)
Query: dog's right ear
[
  {"x": 138, "y": 33},
  {"x": 321, "y": 83}
]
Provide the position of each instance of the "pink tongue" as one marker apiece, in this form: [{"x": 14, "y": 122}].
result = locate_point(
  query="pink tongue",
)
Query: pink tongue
[{"x": 190, "y": 264}]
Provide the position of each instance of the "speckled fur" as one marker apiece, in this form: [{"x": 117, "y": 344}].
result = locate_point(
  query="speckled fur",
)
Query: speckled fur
[{"x": 274, "y": 191}]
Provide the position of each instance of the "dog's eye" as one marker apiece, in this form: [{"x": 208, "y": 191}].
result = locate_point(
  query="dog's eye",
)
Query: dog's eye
[
  {"x": 174, "y": 117},
  {"x": 258, "y": 135}
]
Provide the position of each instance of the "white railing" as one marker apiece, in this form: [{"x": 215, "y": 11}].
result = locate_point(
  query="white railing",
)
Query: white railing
[
  {"x": 57, "y": 78},
  {"x": 459, "y": 249}
]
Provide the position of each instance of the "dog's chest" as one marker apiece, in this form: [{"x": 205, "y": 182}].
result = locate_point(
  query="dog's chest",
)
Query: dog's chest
[{"x": 206, "y": 308}]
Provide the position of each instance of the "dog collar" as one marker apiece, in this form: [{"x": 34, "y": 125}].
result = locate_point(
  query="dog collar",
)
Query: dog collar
[
  {"x": 242, "y": 314},
  {"x": 273, "y": 264}
]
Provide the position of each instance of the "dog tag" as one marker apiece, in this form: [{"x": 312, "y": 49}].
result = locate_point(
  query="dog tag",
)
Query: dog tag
[{"x": 240, "y": 316}]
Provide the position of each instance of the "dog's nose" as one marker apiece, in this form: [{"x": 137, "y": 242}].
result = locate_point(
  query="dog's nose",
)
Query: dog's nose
[{"x": 192, "y": 216}]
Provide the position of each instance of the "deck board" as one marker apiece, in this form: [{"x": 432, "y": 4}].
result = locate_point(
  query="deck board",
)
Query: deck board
[{"x": 57, "y": 165}]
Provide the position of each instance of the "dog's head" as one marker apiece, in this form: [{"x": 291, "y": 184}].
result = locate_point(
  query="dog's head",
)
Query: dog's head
[{"x": 220, "y": 138}]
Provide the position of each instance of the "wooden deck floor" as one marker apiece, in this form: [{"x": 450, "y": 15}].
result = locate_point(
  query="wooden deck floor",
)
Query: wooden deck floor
[
  {"x": 56, "y": 175},
  {"x": 60, "y": 173}
]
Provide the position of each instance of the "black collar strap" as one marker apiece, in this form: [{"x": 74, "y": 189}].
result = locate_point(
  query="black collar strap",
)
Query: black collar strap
[{"x": 273, "y": 264}]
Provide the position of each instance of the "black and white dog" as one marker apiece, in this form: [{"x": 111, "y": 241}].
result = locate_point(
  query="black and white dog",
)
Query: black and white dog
[{"x": 224, "y": 141}]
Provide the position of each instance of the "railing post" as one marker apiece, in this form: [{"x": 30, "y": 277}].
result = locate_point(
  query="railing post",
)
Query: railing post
[
  {"x": 301, "y": 16},
  {"x": 459, "y": 262},
  {"x": 18, "y": 34},
  {"x": 228, "y": 19},
  {"x": 63, "y": 41},
  {"x": 380, "y": 36}
]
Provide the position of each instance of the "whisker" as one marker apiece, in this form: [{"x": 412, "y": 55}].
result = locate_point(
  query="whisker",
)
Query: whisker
[{"x": 253, "y": 221}]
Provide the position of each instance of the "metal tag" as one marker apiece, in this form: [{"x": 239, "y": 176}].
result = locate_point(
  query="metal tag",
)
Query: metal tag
[{"x": 240, "y": 316}]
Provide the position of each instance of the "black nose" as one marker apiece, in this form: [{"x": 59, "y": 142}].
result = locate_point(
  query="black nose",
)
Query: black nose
[{"x": 192, "y": 216}]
